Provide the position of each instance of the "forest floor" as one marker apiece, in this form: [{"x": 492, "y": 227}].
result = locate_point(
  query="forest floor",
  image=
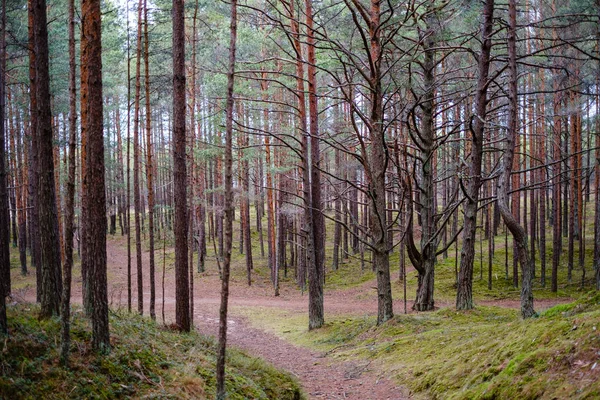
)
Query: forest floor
[
  {"x": 321, "y": 377},
  {"x": 323, "y": 374}
]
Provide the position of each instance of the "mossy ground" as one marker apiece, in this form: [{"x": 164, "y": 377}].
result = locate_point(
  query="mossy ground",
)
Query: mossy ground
[
  {"x": 146, "y": 361},
  {"x": 486, "y": 353}
]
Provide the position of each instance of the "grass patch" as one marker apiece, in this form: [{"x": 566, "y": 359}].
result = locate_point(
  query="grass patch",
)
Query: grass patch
[{"x": 147, "y": 360}]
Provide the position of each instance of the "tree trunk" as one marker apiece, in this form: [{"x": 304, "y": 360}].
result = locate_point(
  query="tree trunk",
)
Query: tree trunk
[
  {"x": 376, "y": 173},
  {"x": 182, "y": 301},
  {"x": 93, "y": 185},
  {"x": 464, "y": 294},
  {"x": 511, "y": 222},
  {"x": 34, "y": 220},
  {"x": 597, "y": 199},
  {"x": 229, "y": 207},
  {"x": 49, "y": 239},
  {"x": 424, "y": 262},
  {"x": 136, "y": 164},
  {"x": 316, "y": 269},
  {"x": 4, "y": 249},
  {"x": 128, "y": 207},
  {"x": 70, "y": 200},
  {"x": 337, "y": 235},
  {"x": 246, "y": 200},
  {"x": 149, "y": 167},
  {"x": 21, "y": 195}
]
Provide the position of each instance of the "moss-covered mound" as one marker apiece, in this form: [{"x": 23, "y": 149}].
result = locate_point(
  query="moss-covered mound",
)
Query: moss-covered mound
[
  {"x": 486, "y": 353},
  {"x": 146, "y": 361}
]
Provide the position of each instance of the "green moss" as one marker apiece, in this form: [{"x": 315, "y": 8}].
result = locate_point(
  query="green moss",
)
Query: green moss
[
  {"x": 486, "y": 353},
  {"x": 145, "y": 361}
]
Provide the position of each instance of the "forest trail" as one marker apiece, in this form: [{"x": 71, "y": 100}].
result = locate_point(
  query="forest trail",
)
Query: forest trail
[{"x": 320, "y": 376}]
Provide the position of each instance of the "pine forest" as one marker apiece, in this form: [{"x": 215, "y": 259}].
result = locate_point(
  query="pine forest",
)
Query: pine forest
[{"x": 300, "y": 199}]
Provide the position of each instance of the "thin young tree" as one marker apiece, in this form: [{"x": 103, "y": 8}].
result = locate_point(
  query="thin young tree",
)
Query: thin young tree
[
  {"x": 4, "y": 235},
  {"x": 229, "y": 206},
  {"x": 70, "y": 200},
  {"x": 128, "y": 151}
]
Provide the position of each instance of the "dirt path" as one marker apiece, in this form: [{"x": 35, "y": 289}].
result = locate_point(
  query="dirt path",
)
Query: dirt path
[{"x": 321, "y": 377}]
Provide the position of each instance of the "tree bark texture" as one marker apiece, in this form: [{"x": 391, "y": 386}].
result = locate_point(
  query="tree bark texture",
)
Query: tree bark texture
[
  {"x": 149, "y": 167},
  {"x": 316, "y": 269},
  {"x": 93, "y": 199},
  {"x": 70, "y": 200},
  {"x": 229, "y": 206},
  {"x": 51, "y": 280},
  {"x": 511, "y": 222},
  {"x": 376, "y": 172},
  {"x": 464, "y": 294},
  {"x": 4, "y": 234},
  {"x": 182, "y": 301}
]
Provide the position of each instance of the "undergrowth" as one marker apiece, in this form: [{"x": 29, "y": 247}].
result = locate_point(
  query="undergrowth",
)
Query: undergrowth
[{"x": 146, "y": 361}]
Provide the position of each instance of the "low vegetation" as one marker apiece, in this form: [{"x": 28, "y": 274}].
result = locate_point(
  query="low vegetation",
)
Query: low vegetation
[{"x": 147, "y": 361}]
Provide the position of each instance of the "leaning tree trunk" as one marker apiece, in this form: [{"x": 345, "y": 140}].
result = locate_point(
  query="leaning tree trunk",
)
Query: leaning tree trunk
[{"x": 511, "y": 222}]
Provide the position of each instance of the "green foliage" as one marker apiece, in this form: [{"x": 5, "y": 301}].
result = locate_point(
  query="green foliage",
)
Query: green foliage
[{"x": 146, "y": 360}]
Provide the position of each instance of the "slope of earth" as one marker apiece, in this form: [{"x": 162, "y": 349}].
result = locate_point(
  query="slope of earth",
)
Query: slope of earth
[{"x": 146, "y": 361}]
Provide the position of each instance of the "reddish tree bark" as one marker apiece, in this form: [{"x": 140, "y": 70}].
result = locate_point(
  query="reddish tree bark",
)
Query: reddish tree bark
[
  {"x": 182, "y": 295},
  {"x": 93, "y": 198}
]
